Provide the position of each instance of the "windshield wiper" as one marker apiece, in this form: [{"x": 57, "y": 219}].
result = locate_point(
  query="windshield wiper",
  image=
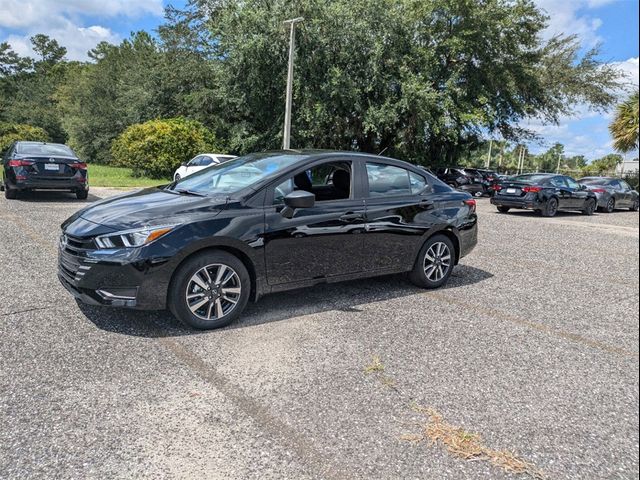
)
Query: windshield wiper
[{"x": 190, "y": 192}]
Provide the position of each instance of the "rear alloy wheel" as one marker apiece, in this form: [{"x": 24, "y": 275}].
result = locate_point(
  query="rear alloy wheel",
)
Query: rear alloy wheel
[
  {"x": 82, "y": 194},
  {"x": 177, "y": 177},
  {"x": 551, "y": 208},
  {"x": 611, "y": 205},
  {"x": 504, "y": 209},
  {"x": 589, "y": 207},
  {"x": 209, "y": 290},
  {"x": 634, "y": 207},
  {"x": 434, "y": 264}
]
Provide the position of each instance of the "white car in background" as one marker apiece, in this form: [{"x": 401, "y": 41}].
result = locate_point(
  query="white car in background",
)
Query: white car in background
[{"x": 199, "y": 162}]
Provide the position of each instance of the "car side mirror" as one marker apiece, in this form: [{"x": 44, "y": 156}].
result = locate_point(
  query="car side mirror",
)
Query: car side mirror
[
  {"x": 297, "y": 199},
  {"x": 583, "y": 187}
]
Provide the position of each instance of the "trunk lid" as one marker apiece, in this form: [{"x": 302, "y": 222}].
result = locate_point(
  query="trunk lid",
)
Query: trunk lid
[{"x": 51, "y": 166}]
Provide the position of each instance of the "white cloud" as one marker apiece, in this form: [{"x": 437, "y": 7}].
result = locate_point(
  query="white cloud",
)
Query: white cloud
[
  {"x": 34, "y": 13},
  {"x": 63, "y": 20},
  {"x": 572, "y": 18}
]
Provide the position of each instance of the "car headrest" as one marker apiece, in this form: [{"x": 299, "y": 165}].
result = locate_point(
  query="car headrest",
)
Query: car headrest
[{"x": 342, "y": 180}]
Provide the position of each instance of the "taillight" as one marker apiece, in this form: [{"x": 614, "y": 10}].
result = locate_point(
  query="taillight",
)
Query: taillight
[
  {"x": 531, "y": 189},
  {"x": 471, "y": 203},
  {"x": 599, "y": 190},
  {"x": 79, "y": 166},
  {"x": 20, "y": 163},
  {"x": 496, "y": 187}
]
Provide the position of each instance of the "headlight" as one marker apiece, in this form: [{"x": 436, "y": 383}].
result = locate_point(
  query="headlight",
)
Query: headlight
[{"x": 132, "y": 238}]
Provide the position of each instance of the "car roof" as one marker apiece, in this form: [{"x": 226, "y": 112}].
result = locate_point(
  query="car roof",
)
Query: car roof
[
  {"x": 31, "y": 142},
  {"x": 217, "y": 154}
]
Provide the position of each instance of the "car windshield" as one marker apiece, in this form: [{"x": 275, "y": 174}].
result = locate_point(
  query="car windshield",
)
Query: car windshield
[
  {"x": 236, "y": 174},
  {"x": 28, "y": 148},
  {"x": 530, "y": 178},
  {"x": 593, "y": 181}
]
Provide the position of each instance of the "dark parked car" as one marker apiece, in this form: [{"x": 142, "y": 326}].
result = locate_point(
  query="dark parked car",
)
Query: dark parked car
[
  {"x": 545, "y": 193},
  {"x": 267, "y": 222},
  {"x": 464, "y": 179},
  {"x": 31, "y": 166},
  {"x": 612, "y": 193}
]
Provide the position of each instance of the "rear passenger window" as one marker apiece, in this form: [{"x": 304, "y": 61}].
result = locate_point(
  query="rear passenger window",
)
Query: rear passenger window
[
  {"x": 558, "y": 182},
  {"x": 387, "y": 180}
]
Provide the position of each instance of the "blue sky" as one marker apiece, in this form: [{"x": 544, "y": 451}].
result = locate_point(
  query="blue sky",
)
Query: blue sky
[{"x": 81, "y": 24}]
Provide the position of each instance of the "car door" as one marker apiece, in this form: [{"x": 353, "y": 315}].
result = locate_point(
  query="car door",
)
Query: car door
[
  {"x": 320, "y": 242},
  {"x": 629, "y": 194},
  {"x": 192, "y": 165},
  {"x": 619, "y": 193},
  {"x": 399, "y": 210},
  {"x": 562, "y": 191},
  {"x": 578, "y": 194}
]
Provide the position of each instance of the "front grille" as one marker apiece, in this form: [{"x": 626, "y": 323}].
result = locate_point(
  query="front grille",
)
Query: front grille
[{"x": 71, "y": 254}]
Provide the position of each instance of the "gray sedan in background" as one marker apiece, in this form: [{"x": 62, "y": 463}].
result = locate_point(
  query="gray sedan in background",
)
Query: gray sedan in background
[{"x": 612, "y": 193}]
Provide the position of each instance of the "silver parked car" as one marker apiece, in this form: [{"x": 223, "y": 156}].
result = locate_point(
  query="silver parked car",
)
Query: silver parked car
[{"x": 612, "y": 193}]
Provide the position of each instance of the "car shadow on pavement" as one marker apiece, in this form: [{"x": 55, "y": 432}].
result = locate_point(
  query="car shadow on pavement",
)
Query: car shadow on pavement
[
  {"x": 53, "y": 197},
  {"x": 344, "y": 297}
]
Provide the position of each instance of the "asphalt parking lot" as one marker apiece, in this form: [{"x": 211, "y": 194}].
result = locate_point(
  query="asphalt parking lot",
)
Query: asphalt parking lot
[{"x": 533, "y": 345}]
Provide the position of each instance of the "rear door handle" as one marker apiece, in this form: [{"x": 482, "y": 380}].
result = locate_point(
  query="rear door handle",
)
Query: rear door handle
[
  {"x": 426, "y": 203},
  {"x": 351, "y": 217}
]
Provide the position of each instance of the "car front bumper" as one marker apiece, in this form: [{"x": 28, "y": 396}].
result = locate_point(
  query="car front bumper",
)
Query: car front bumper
[{"x": 118, "y": 282}]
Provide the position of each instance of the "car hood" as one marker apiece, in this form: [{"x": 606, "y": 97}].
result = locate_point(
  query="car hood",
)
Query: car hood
[{"x": 149, "y": 207}]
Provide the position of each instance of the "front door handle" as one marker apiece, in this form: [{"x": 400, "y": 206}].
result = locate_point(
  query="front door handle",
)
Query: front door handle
[
  {"x": 351, "y": 217},
  {"x": 426, "y": 203}
]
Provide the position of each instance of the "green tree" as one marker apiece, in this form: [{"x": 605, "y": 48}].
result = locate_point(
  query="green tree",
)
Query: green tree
[
  {"x": 624, "y": 127},
  {"x": 419, "y": 79},
  {"x": 157, "y": 147},
  {"x": 13, "y": 132},
  {"x": 28, "y": 90}
]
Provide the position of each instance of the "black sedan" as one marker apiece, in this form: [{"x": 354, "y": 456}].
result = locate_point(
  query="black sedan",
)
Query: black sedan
[
  {"x": 612, "y": 193},
  {"x": 545, "y": 193},
  {"x": 29, "y": 166},
  {"x": 267, "y": 222},
  {"x": 464, "y": 179}
]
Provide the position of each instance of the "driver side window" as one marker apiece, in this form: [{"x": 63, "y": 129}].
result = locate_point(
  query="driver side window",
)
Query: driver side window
[
  {"x": 194, "y": 161},
  {"x": 572, "y": 183},
  {"x": 327, "y": 181}
]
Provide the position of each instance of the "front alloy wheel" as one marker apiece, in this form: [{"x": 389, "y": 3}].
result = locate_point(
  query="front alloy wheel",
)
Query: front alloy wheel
[
  {"x": 611, "y": 205},
  {"x": 589, "y": 207},
  {"x": 209, "y": 290},
  {"x": 213, "y": 292}
]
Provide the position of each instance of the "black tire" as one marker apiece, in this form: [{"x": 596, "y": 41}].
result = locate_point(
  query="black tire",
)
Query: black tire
[
  {"x": 589, "y": 207},
  {"x": 634, "y": 207},
  {"x": 550, "y": 208},
  {"x": 422, "y": 274},
  {"x": 182, "y": 283},
  {"x": 611, "y": 206},
  {"x": 504, "y": 209},
  {"x": 176, "y": 177},
  {"x": 82, "y": 194},
  {"x": 10, "y": 193}
]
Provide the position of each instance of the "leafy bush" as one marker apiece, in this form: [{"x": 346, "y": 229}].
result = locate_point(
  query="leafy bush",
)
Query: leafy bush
[
  {"x": 12, "y": 132},
  {"x": 157, "y": 147}
]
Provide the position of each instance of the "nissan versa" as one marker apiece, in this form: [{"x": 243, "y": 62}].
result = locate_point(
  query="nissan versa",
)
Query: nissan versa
[
  {"x": 29, "y": 166},
  {"x": 266, "y": 222}
]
